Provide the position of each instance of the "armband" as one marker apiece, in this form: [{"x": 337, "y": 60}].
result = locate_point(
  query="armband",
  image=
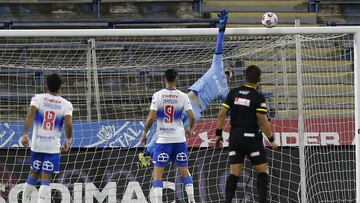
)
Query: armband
[{"x": 219, "y": 132}]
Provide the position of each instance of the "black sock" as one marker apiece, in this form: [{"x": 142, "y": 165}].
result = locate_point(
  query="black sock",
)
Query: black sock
[
  {"x": 262, "y": 186},
  {"x": 230, "y": 189}
]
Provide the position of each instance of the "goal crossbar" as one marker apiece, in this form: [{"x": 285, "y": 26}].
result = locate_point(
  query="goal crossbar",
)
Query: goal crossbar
[{"x": 175, "y": 31}]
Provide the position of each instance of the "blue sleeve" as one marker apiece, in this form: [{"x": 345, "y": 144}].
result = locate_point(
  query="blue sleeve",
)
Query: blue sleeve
[
  {"x": 219, "y": 43},
  {"x": 213, "y": 84}
]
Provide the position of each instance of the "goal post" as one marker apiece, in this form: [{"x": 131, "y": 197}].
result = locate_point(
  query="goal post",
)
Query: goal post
[
  {"x": 310, "y": 79},
  {"x": 357, "y": 109}
]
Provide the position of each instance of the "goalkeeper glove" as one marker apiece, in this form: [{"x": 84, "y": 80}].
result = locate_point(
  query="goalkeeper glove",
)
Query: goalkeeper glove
[
  {"x": 144, "y": 160},
  {"x": 223, "y": 16}
]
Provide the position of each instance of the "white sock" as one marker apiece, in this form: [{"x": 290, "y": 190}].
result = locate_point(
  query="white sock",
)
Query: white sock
[
  {"x": 158, "y": 192},
  {"x": 189, "y": 188},
  {"x": 44, "y": 194},
  {"x": 26, "y": 195}
]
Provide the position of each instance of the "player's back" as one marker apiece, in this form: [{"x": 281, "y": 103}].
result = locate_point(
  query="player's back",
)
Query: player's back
[
  {"x": 245, "y": 102},
  {"x": 169, "y": 105},
  {"x": 49, "y": 119}
]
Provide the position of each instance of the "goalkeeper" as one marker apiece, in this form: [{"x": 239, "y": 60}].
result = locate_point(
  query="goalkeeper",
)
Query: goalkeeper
[{"x": 211, "y": 86}]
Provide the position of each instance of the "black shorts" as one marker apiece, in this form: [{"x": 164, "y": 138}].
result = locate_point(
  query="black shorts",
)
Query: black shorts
[{"x": 243, "y": 144}]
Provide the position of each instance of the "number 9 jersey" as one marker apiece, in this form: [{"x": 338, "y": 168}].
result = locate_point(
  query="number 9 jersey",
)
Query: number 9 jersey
[
  {"x": 169, "y": 105},
  {"x": 49, "y": 119}
]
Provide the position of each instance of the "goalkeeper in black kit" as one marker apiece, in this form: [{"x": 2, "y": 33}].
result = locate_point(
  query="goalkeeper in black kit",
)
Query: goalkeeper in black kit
[{"x": 248, "y": 114}]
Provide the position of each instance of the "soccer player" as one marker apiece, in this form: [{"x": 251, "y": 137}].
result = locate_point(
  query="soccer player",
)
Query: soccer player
[
  {"x": 211, "y": 86},
  {"x": 167, "y": 106},
  {"x": 248, "y": 111},
  {"x": 49, "y": 111}
]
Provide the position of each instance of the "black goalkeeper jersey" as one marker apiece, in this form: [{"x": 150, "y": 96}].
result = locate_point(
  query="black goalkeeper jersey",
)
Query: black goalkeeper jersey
[{"x": 244, "y": 102}]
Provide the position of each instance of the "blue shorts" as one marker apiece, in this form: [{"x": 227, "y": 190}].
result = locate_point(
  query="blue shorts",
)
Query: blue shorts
[
  {"x": 174, "y": 152},
  {"x": 44, "y": 162}
]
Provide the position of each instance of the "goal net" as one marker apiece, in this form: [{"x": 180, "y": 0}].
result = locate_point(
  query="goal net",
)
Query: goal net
[{"x": 308, "y": 81}]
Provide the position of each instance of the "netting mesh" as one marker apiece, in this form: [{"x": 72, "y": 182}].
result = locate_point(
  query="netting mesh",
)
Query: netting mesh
[
  {"x": 330, "y": 113},
  {"x": 110, "y": 81}
]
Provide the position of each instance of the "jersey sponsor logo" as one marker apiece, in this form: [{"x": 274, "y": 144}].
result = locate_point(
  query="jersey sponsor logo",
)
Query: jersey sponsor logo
[
  {"x": 167, "y": 130},
  {"x": 242, "y": 101},
  {"x": 181, "y": 156},
  {"x": 232, "y": 153},
  {"x": 52, "y": 100},
  {"x": 45, "y": 138},
  {"x": 171, "y": 96},
  {"x": 245, "y": 92},
  {"x": 163, "y": 157}
]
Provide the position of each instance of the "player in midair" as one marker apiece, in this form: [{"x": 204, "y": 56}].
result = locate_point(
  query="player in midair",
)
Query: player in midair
[
  {"x": 49, "y": 111},
  {"x": 211, "y": 86},
  {"x": 167, "y": 107}
]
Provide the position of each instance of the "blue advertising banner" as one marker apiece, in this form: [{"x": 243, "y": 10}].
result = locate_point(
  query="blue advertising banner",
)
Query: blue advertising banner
[{"x": 114, "y": 133}]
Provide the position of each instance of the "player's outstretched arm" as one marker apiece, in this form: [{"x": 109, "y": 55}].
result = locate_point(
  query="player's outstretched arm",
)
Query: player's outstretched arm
[
  {"x": 206, "y": 82},
  {"x": 68, "y": 132},
  {"x": 27, "y": 124},
  {"x": 223, "y": 16}
]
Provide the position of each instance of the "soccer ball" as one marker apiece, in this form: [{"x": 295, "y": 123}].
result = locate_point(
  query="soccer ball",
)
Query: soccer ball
[{"x": 269, "y": 19}]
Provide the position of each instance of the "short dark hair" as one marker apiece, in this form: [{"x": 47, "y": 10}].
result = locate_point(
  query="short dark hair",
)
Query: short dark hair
[
  {"x": 171, "y": 75},
  {"x": 253, "y": 74},
  {"x": 54, "y": 82}
]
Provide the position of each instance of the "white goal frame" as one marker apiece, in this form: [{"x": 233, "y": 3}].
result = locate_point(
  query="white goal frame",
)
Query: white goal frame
[{"x": 355, "y": 30}]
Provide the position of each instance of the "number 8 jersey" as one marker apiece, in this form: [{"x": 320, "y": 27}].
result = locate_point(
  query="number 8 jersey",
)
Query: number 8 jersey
[
  {"x": 169, "y": 105},
  {"x": 49, "y": 119}
]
